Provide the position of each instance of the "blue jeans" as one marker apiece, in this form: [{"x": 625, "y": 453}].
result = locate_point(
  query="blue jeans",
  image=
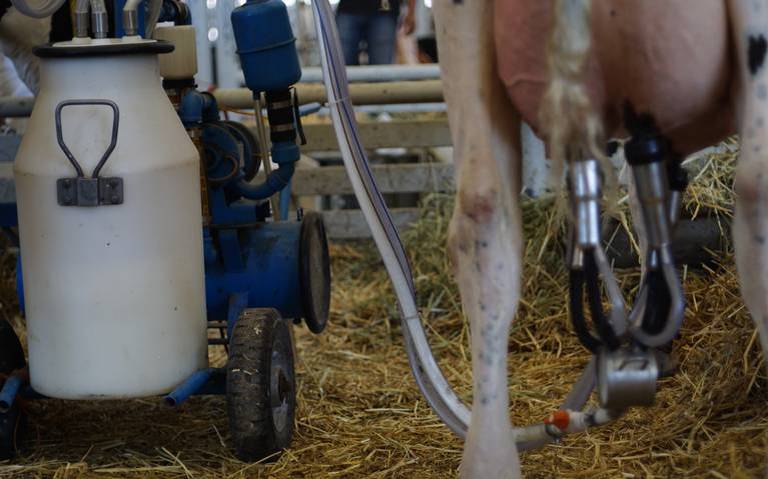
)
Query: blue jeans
[{"x": 377, "y": 29}]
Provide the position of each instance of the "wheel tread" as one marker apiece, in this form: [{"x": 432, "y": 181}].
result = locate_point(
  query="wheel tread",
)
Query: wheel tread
[{"x": 248, "y": 395}]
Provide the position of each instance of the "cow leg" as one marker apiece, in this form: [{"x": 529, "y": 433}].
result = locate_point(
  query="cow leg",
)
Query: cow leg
[
  {"x": 750, "y": 229},
  {"x": 484, "y": 237}
]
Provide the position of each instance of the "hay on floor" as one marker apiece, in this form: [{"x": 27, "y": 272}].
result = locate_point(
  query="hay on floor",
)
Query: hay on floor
[{"x": 361, "y": 414}]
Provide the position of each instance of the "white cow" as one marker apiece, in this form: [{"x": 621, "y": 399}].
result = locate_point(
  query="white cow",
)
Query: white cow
[{"x": 698, "y": 67}]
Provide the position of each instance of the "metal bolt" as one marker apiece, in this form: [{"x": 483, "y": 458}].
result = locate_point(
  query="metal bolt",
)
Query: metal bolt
[
  {"x": 67, "y": 183},
  {"x": 113, "y": 183},
  {"x": 114, "y": 198}
]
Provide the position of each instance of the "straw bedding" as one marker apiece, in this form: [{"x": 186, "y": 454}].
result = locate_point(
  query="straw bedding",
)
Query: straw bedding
[{"x": 361, "y": 415}]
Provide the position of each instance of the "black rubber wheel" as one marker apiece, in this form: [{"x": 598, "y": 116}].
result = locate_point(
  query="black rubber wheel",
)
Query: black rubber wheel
[
  {"x": 12, "y": 422},
  {"x": 314, "y": 272},
  {"x": 261, "y": 386}
]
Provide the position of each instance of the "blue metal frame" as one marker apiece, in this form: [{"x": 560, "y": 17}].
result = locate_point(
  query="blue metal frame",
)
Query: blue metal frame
[
  {"x": 245, "y": 255},
  {"x": 191, "y": 386},
  {"x": 249, "y": 262},
  {"x": 267, "y": 276},
  {"x": 9, "y": 391}
]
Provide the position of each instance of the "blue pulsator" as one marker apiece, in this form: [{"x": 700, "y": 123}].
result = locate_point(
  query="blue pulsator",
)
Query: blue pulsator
[{"x": 265, "y": 44}]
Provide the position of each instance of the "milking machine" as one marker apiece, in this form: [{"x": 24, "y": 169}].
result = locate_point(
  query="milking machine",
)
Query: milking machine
[
  {"x": 627, "y": 346},
  {"x": 147, "y": 234},
  {"x": 121, "y": 284}
]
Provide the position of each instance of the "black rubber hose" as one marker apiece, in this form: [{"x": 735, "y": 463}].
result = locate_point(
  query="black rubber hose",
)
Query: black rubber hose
[
  {"x": 676, "y": 174},
  {"x": 657, "y": 304},
  {"x": 595, "y": 301},
  {"x": 576, "y": 300}
]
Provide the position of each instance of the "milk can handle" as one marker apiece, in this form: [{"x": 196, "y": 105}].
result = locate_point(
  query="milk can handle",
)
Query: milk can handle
[{"x": 112, "y": 143}]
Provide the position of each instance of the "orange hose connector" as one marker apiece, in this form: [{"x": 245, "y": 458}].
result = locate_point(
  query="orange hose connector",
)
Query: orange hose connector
[{"x": 560, "y": 419}]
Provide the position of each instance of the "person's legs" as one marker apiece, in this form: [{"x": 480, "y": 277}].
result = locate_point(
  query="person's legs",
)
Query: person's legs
[
  {"x": 381, "y": 36},
  {"x": 350, "y": 28}
]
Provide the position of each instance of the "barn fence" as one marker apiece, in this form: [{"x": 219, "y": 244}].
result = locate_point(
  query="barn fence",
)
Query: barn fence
[{"x": 416, "y": 170}]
